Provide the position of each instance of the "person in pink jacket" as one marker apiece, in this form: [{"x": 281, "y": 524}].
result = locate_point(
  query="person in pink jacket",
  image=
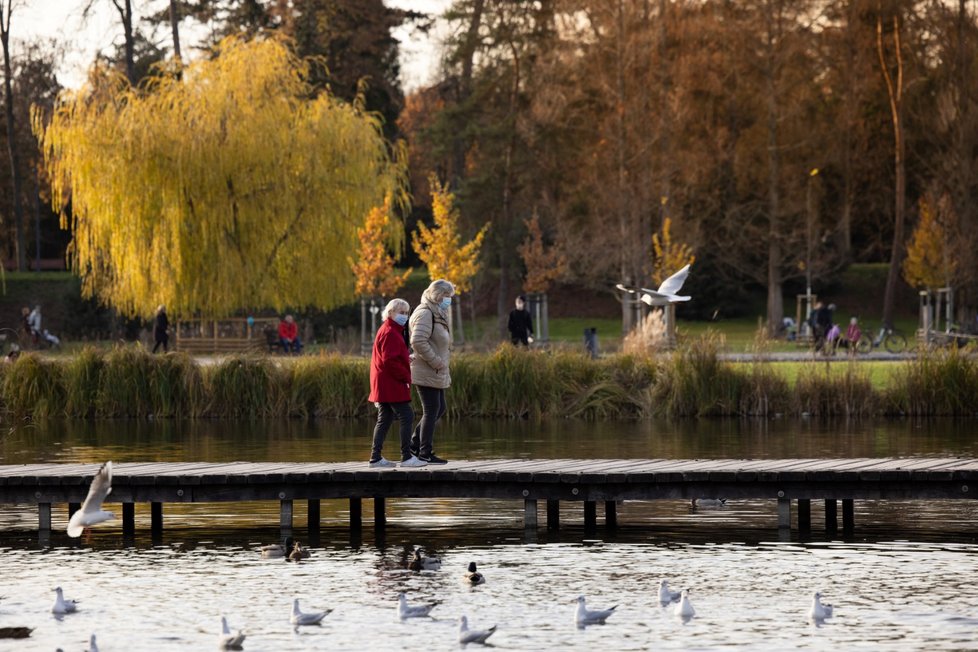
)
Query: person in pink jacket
[{"x": 390, "y": 384}]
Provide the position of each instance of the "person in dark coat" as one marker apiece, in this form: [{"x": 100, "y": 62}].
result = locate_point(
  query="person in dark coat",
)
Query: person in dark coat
[
  {"x": 160, "y": 327},
  {"x": 520, "y": 323},
  {"x": 390, "y": 384}
]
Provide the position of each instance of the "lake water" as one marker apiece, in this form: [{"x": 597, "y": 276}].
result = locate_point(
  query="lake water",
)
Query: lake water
[{"x": 906, "y": 580}]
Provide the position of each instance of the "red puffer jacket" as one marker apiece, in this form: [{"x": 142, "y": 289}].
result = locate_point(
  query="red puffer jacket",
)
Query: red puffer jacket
[{"x": 390, "y": 366}]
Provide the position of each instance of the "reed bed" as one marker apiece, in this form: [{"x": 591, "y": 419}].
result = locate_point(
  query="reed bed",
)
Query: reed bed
[{"x": 128, "y": 382}]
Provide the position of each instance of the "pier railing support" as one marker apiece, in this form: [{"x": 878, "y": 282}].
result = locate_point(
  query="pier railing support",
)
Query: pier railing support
[
  {"x": 313, "y": 515},
  {"x": 784, "y": 513},
  {"x": 156, "y": 518},
  {"x": 553, "y": 514},
  {"x": 848, "y": 516},
  {"x": 356, "y": 513},
  {"x": 804, "y": 515},
  {"x": 831, "y": 516},
  {"x": 285, "y": 514},
  {"x": 610, "y": 513},
  {"x": 529, "y": 513},
  {"x": 380, "y": 515},
  {"x": 590, "y": 514},
  {"x": 44, "y": 517},
  {"x": 128, "y": 519},
  {"x": 72, "y": 508}
]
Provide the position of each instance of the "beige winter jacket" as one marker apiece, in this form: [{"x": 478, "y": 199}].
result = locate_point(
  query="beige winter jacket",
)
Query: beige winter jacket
[{"x": 431, "y": 341}]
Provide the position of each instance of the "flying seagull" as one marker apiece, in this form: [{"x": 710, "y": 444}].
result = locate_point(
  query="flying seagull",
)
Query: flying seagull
[
  {"x": 665, "y": 294},
  {"x": 91, "y": 512}
]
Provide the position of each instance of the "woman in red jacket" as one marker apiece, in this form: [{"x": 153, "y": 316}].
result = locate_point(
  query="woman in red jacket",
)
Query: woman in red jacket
[{"x": 390, "y": 383}]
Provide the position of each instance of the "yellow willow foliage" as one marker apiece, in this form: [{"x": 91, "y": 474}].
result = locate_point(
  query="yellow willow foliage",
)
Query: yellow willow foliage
[
  {"x": 374, "y": 269},
  {"x": 929, "y": 262},
  {"x": 222, "y": 188},
  {"x": 439, "y": 248},
  {"x": 668, "y": 256},
  {"x": 544, "y": 265}
]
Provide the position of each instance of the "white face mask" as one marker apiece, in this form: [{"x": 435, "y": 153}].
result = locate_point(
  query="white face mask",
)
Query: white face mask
[
  {"x": 446, "y": 303},
  {"x": 400, "y": 319}
]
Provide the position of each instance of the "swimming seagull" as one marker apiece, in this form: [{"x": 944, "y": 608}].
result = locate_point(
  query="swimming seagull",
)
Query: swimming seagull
[
  {"x": 420, "y": 563},
  {"x": 819, "y": 611},
  {"x": 228, "y": 641},
  {"x": 405, "y": 610},
  {"x": 666, "y": 293},
  {"x": 684, "y": 609},
  {"x": 91, "y": 512},
  {"x": 667, "y": 595},
  {"x": 466, "y": 635},
  {"x": 472, "y": 576},
  {"x": 92, "y": 647},
  {"x": 62, "y": 606},
  {"x": 587, "y": 616},
  {"x": 311, "y": 618}
]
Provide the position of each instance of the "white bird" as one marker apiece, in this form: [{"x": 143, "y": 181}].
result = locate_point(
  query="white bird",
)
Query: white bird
[
  {"x": 665, "y": 294},
  {"x": 92, "y": 647},
  {"x": 472, "y": 576},
  {"x": 466, "y": 635},
  {"x": 405, "y": 610},
  {"x": 819, "y": 611},
  {"x": 62, "y": 606},
  {"x": 228, "y": 641},
  {"x": 311, "y": 618},
  {"x": 667, "y": 595},
  {"x": 684, "y": 609},
  {"x": 420, "y": 563},
  {"x": 587, "y": 616},
  {"x": 91, "y": 512},
  {"x": 278, "y": 550}
]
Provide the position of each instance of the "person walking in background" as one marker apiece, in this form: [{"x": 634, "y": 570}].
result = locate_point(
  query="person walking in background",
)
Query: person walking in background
[
  {"x": 431, "y": 340},
  {"x": 520, "y": 323},
  {"x": 34, "y": 323},
  {"x": 390, "y": 384},
  {"x": 288, "y": 335},
  {"x": 160, "y": 328},
  {"x": 821, "y": 323},
  {"x": 853, "y": 333}
]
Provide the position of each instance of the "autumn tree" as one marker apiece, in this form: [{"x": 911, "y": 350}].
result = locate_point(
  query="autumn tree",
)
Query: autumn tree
[
  {"x": 374, "y": 267},
  {"x": 6, "y": 14},
  {"x": 544, "y": 264},
  {"x": 668, "y": 256},
  {"x": 224, "y": 188},
  {"x": 929, "y": 262}
]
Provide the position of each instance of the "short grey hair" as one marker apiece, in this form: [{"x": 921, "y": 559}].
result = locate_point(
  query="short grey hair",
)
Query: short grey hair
[
  {"x": 438, "y": 290},
  {"x": 392, "y": 307}
]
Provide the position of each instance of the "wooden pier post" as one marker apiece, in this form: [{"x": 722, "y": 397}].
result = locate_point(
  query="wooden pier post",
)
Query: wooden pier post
[
  {"x": 553, "y": 514},
  {"x": 128, "y": 519},
  {"x": 805, "y": 515},
  {"x": 590, "y": 514},
  {"x": 848, "y": 516},
  {"x": 356, "y": 514},
  {"x": 529, "y": 513},
  {"x": 380, "y": 517},
  {"x": 313, "y": 515},
  {"x": 44, "y": 517},
  {"x": 831, "y": 516},
  {"x": 610, "y": 513},
  {"x": 156, "y": 518},
  {"x": 784, "y": 513},
  {"x": 285, "y": 514},
  {"x": 72, "y": 508}
]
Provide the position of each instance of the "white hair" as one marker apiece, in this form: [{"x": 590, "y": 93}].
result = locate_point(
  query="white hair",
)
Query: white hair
[
  {"x": 392, "y": 307},
  {"x": 438, "y": 290}
]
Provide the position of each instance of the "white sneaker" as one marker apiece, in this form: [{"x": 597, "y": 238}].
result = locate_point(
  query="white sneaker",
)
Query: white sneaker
[
  {"x": 414, "y": 463},
  {"x": 382, "y": 464}
]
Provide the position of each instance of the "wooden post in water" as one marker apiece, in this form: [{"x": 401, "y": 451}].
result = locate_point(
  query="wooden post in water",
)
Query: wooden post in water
[
  {"x": 848, "y": 516},
  {"x": 590, "y": 514},
  {"x": 312, "y": 515},
  {"x": 44, "y": 517},
  {"x": 529, "y": 513},
  {"x": 72, "y": 508},
  {"x": 380, "y": 517},
  {"x": 553, "y": 514},
  {"x": 804, "y": 515},
  {"x": 610, "y": 513},
  {"x": 128, "y": 519},
  {"x": 156, "y": 518},
  {"x": 285, "y": 514},
  {"x": 831, "y": 516},
  {"x": 784, "y": 513},
  {"x": 356, "y": 514}
]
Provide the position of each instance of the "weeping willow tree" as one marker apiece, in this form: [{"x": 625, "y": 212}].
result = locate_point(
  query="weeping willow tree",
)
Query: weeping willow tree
[{"x": 231, "y": 185}]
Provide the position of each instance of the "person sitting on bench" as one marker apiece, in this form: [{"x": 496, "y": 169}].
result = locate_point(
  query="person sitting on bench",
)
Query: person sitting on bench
[{"x": 288, "y": 335}]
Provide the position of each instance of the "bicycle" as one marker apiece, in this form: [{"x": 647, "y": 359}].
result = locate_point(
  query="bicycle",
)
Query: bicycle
[{"x": 890, "y": 339}]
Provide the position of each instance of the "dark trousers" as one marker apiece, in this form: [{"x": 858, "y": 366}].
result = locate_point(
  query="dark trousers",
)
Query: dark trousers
[
  {"x": 433, "y": 407},
  {"x": 386, "y": 413},
  {"x": 163, "y": 339}
]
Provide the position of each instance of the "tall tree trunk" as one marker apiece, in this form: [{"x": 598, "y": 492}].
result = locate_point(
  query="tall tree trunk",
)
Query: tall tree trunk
[
  {"x": 775, "y": 298},
  {"x": 124, "y": 7},
  {"x": 508, "y": 250},
  {"x": 465, "y": 88},
  {"x": 175, "y": 28},
  {"x": 894, "y": 89},
  {"x": 624, "y": 236},
  {"x": 6, "y": 10}
]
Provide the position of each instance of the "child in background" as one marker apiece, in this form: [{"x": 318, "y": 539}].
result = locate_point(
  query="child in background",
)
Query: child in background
[{"x": 853, "y": 333}]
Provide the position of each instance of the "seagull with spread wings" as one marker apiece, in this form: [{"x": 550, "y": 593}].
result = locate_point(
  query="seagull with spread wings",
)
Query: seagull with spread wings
[
  {"x": 665, "y": 294},
  {"x": 91, "y": 512}
]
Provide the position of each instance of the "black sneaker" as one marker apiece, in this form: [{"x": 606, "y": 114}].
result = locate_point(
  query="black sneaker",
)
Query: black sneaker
[
  {"x": 415, "y": 451},
  {"x": 433, "y": 459}
]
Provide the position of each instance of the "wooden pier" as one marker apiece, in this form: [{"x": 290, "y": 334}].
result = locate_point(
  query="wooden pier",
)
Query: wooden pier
[{"x": 530, "y": 481}]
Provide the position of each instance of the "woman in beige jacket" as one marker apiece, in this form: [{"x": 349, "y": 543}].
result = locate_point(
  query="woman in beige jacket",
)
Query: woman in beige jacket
[{"x": 431, "y": 341}]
